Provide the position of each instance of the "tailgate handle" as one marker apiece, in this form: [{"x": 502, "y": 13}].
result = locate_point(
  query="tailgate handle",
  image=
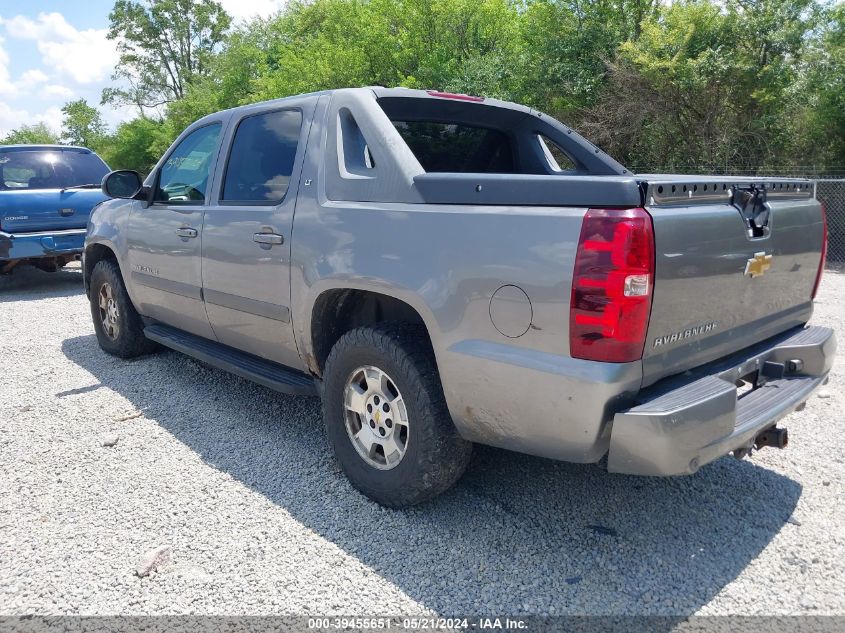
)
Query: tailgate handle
[{"x": 751, "y": 202}]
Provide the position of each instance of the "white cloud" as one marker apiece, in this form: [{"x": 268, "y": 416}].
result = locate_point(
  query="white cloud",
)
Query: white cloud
[
  {"x": 7, "y": 87},
  {"x": 56, "y": 90},
  {"x": 33, "y": 76},
  {"x": 85, "y": 56},
  {"x": 115, "y": 115},
  {"x": 74, "y": 64},
  {"x": 52, "y": 116},
  {"x": 13, "y": 118},
  {"x": 246, "y": 9},
  {"x": 10, "y": 118}
]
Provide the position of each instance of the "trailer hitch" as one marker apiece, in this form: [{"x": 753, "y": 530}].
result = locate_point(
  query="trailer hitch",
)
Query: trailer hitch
[{"x": 772, "y": 436}]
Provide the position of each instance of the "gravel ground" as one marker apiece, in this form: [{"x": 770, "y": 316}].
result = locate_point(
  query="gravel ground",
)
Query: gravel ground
[{"x": 238, "y": 483}]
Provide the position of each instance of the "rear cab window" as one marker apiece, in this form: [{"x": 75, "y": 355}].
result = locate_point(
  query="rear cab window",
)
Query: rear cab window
[
  {"x": 454, "y": 147},
  {"x": 467, "y": 135},
  {"x": 49, "y": 169}
]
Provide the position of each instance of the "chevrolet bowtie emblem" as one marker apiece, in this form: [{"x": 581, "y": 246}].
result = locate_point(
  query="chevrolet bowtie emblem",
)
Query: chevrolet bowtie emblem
[{"x": 758, "y": 264}]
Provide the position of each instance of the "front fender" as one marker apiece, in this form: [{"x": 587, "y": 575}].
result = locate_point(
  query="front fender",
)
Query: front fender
[{"x": 107, "y": 229}]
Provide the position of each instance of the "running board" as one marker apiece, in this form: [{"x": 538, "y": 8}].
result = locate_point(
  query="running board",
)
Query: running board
[{"x": 259, "y": 370}]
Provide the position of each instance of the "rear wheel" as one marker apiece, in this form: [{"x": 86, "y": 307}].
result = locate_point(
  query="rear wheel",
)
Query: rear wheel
[
  {"x": 117, "y": 324},
  {"x": 386, "y": 416}
]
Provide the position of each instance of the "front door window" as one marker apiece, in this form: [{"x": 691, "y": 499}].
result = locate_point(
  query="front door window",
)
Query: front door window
[{"x": 185, "y": 174}]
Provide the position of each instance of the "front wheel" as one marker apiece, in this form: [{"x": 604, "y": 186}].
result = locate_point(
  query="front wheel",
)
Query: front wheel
[
  {"x": 386, "y": 417},
  {"x": 117, "y": 324}
]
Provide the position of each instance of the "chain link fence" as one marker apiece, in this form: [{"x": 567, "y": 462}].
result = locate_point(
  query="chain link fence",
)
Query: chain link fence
[{"x": 831, "y": 192}]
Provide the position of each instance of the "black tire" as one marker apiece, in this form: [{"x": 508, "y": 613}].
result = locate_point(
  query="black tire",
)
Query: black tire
[
  {"x": 435, "y": 456},
  {"x": 127, "y": 340}
]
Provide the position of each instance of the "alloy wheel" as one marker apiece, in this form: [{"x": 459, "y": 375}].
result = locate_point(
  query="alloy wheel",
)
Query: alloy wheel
[{"x": 376, "y": 417}]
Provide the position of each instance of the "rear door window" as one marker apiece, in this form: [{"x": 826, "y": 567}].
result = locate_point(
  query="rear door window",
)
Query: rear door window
[
  {"x": 50, "y": 169},
  {"x": 454, "y": 147},
  {"x": 262, "y": 158}
]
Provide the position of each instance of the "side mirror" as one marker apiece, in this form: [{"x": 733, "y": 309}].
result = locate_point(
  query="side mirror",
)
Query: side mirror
[{"x": 122, "y": 183}]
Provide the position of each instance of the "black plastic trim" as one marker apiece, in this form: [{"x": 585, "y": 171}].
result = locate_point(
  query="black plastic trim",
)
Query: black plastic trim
[{"x": 258, "y": 370}]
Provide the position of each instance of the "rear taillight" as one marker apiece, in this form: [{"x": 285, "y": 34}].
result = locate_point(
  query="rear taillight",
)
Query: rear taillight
[
  {"x": 612, "y": 285},
  {"x": 824, "y": 253}
]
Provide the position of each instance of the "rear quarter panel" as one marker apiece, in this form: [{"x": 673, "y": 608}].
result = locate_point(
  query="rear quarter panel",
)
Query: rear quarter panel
[
  {"x": 447, "y": 263},
  {"x": 520, "y": 391}
]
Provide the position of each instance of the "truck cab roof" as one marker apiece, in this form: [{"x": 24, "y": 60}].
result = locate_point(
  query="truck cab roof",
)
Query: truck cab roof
[
  {"x": 46, "y": 147},
  {"x": 380, "y": 92}
]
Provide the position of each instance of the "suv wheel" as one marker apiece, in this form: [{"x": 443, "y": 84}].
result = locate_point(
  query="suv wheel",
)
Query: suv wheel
[
  {"x": 386, "y": 416},
  {"x": 119, "y": 328}
]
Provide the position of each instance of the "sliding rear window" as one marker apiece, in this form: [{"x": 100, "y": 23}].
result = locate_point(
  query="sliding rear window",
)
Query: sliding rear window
[{"x": 455, "y": 147}]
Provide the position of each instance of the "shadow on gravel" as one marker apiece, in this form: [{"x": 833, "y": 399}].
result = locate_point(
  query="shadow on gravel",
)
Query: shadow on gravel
[
  {"x": 27, "y": 284},
  {"x": 516, "y": 535}
]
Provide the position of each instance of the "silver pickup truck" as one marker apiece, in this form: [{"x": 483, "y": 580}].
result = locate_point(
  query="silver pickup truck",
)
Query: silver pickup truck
[{"x": 444, "y": 269}]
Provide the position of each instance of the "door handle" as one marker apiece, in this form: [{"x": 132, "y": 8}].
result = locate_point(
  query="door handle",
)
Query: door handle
[
  {"x": 186, "y": 232},
  {"x": 268, "y": 238}
]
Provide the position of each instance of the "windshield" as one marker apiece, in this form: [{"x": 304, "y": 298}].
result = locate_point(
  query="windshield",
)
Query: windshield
[{"x": 49, "y": 169}]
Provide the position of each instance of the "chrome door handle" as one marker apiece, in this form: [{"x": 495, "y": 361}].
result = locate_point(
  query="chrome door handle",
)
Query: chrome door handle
[
  {"x": 268, "y": 238},
  {"x": 186, "y": 232}
]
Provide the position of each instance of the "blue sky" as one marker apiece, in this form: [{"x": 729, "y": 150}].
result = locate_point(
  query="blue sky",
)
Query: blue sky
[{"x": 55, "y": 51}]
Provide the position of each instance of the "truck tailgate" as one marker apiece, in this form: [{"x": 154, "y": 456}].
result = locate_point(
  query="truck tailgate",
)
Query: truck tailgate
[
  {"x": 727, "y": 277},
  {"x": 27, "y": 211}
]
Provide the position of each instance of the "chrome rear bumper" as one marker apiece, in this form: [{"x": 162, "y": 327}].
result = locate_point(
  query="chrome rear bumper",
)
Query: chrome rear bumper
[{"x": 681, "y": 424}]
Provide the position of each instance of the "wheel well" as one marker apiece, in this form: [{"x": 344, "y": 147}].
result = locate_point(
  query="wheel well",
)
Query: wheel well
[
  {"x": 93, "y": 254},
  {"x": 336, "y": 312}
]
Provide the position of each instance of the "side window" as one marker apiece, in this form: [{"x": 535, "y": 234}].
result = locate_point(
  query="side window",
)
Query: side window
[
  {"x": 356, "y": 158},
  {"x": 557, "y": 159},
  {"x": 184, "y": 176},
  {"x": 262, "y": 156},
  {"x": 16, "y": 177}
]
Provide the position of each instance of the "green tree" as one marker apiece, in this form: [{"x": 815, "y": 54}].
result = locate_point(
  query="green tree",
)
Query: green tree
[
  {"x": 38, "y": 134},
  {"x": 695, "y": 91},
  {"x": 230, "y": 80},
  {"x": 688, "y": 84},
  {"x": 566, "y": 48},
  {"x": 462, "y": 45},
  {"x": 822, "y": 91},
  {"x": 82, "y": 124},
  {"x": 135, "y": 144},
  {"x": 164, "y": 46}
]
